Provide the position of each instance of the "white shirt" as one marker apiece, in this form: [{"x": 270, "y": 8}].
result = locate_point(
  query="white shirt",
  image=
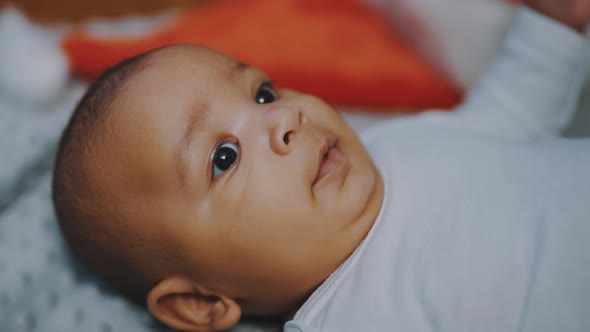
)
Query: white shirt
[{"x": 485, "y": 224}]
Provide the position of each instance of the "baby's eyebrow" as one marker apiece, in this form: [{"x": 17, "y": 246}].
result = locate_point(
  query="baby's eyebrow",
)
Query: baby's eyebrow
[
  {"x": 239, "y": 67},
  {"x": 194, "y": 123}
]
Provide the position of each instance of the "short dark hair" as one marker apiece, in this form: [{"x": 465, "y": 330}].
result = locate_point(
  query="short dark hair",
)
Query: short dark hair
[{"x": 85, "y": 210}]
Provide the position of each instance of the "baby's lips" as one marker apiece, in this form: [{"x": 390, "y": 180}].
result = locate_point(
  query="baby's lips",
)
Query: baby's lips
[{"x": 327, "y": 143}]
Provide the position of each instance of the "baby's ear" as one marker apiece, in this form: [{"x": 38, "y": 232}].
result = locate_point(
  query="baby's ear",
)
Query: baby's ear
[{"x": 188, "y": 306}]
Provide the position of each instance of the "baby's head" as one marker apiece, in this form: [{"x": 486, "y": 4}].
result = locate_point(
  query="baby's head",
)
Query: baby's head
[{"x": 187, "y": 181}]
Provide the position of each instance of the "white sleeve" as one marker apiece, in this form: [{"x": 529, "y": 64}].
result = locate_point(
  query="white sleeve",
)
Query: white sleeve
[
  {"x": 531, "y": 89},
  {"x": 295, "y": 326}
]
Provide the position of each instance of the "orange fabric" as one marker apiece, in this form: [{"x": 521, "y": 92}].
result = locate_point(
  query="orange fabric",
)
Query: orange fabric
[{"x": 339, "y": 50}]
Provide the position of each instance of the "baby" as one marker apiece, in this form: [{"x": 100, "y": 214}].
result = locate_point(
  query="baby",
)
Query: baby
[{"x": 190, "y": 183}]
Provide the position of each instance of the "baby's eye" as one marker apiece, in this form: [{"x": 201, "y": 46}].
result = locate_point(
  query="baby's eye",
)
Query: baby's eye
[
  {"x": 266, "y": 93},
  {"x": 224, "y": 157}
]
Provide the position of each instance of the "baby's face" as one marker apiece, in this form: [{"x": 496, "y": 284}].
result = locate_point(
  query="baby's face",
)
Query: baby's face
[{"x": 260, "y": 189}]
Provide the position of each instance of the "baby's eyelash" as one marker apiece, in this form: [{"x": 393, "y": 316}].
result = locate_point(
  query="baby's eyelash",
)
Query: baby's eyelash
[{"x": 267, "y": 84}]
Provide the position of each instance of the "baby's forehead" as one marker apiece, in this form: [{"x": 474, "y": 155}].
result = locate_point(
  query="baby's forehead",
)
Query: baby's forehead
[
  {"x": 177, "y": 80},
  {"x": 189, "y": 71},
  {"x": 173, "y": 69}
]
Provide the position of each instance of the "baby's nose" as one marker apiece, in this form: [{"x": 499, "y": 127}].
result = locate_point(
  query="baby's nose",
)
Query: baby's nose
[{"x": 284, "y": 124}]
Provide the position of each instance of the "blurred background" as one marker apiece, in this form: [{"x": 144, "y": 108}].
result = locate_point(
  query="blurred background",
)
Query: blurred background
[
  {"x": 78, "y": 11},
  {"x": 371, "y": 59}
]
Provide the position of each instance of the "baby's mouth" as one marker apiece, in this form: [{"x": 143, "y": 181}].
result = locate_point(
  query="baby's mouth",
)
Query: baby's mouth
[{"x": 330, "y": 157}]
